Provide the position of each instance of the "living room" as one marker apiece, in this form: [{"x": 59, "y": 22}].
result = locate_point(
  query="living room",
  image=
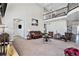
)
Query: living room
[{"x": 33, "y": 25}]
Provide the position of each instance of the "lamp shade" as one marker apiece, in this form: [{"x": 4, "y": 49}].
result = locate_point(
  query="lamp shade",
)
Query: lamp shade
[{"x": 29, "y": 29}]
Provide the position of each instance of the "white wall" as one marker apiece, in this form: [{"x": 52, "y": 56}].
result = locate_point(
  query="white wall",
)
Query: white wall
[
  {"x": 74, "y": 19},
  {"x": 25, "y": 12},
  {"x": 59, "y": 25}
]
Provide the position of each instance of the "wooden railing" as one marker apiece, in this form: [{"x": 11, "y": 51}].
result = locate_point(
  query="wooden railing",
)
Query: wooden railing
[
  {"x": 61, "y": 12},
  {"x": 72, "y": 6}
]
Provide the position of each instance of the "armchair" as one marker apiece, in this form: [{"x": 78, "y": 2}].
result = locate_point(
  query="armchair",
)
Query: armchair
[{"x": 67, "y": 36}]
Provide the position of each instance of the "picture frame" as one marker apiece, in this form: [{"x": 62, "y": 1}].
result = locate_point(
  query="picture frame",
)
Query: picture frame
[{"x": 34, "y": 22}]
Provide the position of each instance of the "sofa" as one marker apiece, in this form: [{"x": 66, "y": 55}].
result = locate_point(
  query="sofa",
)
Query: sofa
[
  {"x": 34, "y": 34},
  {"x": 57, "y": 36},
  {"x": 68, "y": 36}
]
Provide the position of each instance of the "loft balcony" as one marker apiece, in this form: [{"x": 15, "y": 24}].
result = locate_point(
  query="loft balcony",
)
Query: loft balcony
[{"x": 61, "y": 12}]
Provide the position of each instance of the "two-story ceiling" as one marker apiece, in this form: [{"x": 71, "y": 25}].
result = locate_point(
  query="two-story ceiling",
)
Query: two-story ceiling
[{"x": 52, "y": 6}]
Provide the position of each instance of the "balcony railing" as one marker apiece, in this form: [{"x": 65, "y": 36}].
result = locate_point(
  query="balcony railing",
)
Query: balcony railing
[{"x": 61, "y": 12}]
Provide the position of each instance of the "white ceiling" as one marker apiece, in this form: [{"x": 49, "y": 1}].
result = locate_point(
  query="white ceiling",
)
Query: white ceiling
[{"x": 52, "y": 6}]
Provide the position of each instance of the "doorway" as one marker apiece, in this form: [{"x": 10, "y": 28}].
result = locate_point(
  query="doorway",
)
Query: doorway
[
  {"x": 18, "y": 27},
  {"x": 77, "y": 36}
]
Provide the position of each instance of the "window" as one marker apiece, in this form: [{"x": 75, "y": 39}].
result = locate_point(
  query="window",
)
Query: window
[{"x": 19, "y": 26}]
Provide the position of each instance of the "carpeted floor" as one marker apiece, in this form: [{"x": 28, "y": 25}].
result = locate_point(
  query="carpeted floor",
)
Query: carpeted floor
[{"x": 38, "y": 47}]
